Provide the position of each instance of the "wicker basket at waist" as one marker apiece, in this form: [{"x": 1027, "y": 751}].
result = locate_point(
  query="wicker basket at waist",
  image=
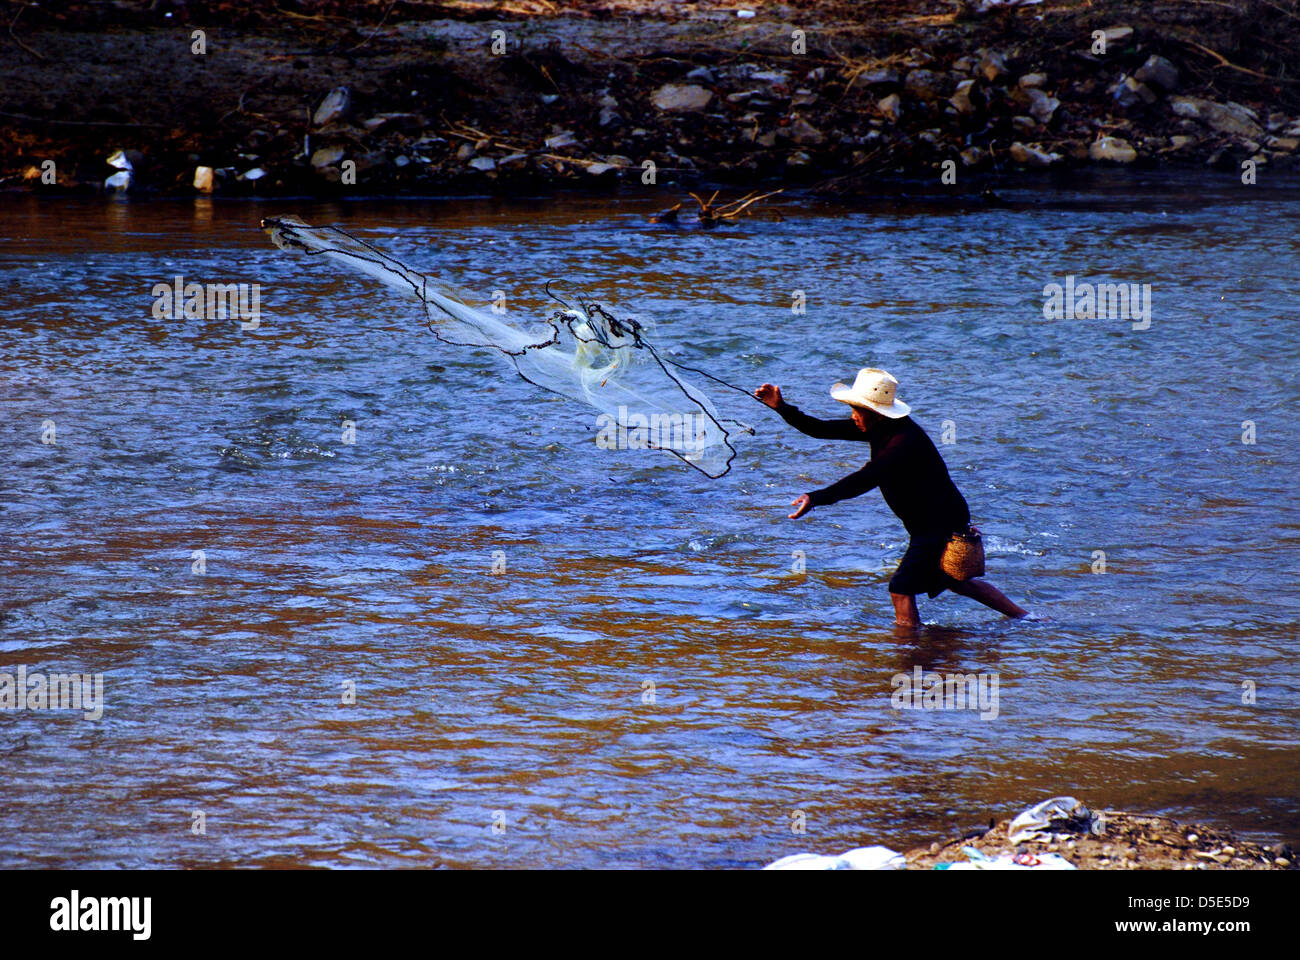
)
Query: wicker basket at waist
[{"x": 963, "y": 557}]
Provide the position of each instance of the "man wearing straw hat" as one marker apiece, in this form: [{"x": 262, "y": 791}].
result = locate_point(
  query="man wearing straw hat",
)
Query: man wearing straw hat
[{"x": 912, "y": 478}]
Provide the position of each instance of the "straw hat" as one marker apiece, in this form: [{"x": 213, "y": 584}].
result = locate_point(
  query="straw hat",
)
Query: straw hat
[{"x": 873, "y": 389}]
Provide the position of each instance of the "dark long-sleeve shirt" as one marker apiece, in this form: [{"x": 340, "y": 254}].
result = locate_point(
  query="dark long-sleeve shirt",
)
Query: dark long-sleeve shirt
[{"x": 904, "y": 464}]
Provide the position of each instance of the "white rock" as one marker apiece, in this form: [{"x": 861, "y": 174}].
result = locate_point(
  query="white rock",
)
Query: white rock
[
  {"x": 564, "y": 138},
  {"x": 1032, "y": 156},
  {"x": 674, "y": 98},
  {"x": 1228, "y": 117},
  {"x": 326, "y": 156},
  {"x": 1114, "y": 149},
  {"x": 257, "y": 173},
  {"x": 483, "y": 163},
  {"x": 889, "y": 106},
  {"x": 1041, "y": 106},
  {"x": 118, "y": 181},
  {"x": 118, "y": 161},
  {"x": 881, "y": 75},
  {"x": 335, "y": 105},
  {"x": 203, "y": 179}
]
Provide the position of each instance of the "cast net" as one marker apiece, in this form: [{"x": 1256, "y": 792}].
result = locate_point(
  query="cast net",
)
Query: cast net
[{"x": 584, "y": 351}]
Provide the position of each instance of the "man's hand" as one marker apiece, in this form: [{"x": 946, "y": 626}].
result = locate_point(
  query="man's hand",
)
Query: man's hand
[
  {"x": 803, "y": 505},
  {"x": 770, "y": 394}
]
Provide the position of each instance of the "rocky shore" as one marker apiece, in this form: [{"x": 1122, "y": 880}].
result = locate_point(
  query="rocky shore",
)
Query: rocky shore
[
  {"x": 329, "y": 97},
  {"x": 1115, "y": 840},
  {"x": 1062, "y": 833}
]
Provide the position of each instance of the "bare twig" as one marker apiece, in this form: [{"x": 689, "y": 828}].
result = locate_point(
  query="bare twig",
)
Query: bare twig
[
  {"x": 35, "y": 53},
  {"x": 373, "y": 33},
  {"x": 1224, "y": 62}
]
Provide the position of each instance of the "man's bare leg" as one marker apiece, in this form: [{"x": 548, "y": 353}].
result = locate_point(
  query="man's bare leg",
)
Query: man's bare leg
[
  {"x": 905, "y": 612},
  {"x": 990, "y": 596}
]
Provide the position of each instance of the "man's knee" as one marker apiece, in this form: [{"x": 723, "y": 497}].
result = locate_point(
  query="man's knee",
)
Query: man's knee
[{"x": 965, "y": 588}]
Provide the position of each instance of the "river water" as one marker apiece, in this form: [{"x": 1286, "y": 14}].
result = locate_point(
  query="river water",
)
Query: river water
[{"x": 646, "y": 680}]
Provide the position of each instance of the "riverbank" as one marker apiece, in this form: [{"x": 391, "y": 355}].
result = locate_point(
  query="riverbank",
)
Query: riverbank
[
  {"x": 1064, "y": 834},
  {"x": 357, "y": 97},
  {"x": 1114, "y": 840}
]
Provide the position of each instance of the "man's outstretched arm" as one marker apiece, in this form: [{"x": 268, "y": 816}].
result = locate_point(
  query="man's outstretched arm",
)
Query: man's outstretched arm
[
  {"x": 770, "y": 394},
  {"x": 854, "y": 485},
  {"x": 882, "y": 464}
]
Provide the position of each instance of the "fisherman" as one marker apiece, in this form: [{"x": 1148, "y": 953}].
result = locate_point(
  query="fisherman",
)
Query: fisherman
[{"x": 912, "y": 478}]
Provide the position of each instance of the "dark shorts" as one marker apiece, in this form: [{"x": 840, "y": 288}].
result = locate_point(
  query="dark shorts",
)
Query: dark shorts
[{"x": 918, "y": 571}]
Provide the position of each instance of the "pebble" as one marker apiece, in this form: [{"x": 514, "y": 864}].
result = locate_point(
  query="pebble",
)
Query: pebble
[
  {"x": 961, "y": 97},
  {"x": 1132, "y": 92},
  {"x": 1231, "y": 118},
  {"x": 674, "y": 98},
  {"x": 883, "y": 75},
  {"x": 803, "y": 132},
  {"x": 992, "y": 66},
  {"x": 1041, "y": 106},
  {"x": 1114, "y": 149},
  {"x": 335, "y": 105},
  {"x": 1159, "y": 71},
  {"x": 326, "y": 156},
  {"x": 1032, "y": 156},
  {"x": 923, "y": 84}
]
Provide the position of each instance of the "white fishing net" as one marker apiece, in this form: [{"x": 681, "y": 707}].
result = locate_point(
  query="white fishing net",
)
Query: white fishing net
[{"x": 584, "y": 352}]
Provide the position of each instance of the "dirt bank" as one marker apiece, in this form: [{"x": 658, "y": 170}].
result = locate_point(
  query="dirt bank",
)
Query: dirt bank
[{"x": 347, "y": 96}]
